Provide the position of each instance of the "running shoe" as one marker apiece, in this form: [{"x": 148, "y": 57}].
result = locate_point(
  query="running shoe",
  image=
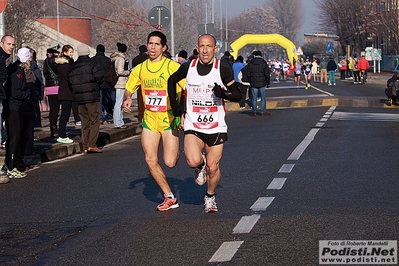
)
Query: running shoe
[
  {"x": 14, "y": 173},
  {"x": 210, "y": 204},
  {"x": 64, "y": 140},
  {"x": 200, "y": 173},
  {"x": 168, "y": 204}
]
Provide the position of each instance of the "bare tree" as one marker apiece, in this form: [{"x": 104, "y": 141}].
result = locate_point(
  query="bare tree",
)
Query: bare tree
[
  {"x": 110, "y": 33},
  {"x": 185, "y": 26},
  {"x": 386, "y": 26},
  {"x": 289, "y": 15},
  {"x": 17, "y": 17},
  {"x": 257, "y": 20},
  {"x": 350, "y": 20}
]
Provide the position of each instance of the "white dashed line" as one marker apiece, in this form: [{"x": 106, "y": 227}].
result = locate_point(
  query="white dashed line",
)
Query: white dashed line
[
  {"x": 226, "y": 251},
  {"x": 286, "y": 168},
  {"x": 261, "y": 203},
  {"x": 277, "y": 183},
  {"x": 246, "y": 224},
  {"x": 303, "y": 145}
]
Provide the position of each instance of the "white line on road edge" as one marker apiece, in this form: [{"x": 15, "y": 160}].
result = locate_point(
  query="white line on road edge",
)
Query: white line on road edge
[
  {"x": 303, "y": 145},
  {"x": 226, "y": 251},
  {"x": 286, "y": 168},
  {"x": 81, "y": 154},
  {"x": 277, "y": 183},
  {"x": 246, "y": 224},
  {"x": 261, "y": 203},
  {"x": 329, "y": 94}
]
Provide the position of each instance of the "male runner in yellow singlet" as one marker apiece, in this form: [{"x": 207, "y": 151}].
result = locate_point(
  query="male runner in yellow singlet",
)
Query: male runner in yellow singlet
[{"x": 158, "y": 120}]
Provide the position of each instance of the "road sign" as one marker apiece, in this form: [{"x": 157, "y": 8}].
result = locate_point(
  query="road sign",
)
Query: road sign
[
  {"x": 3, "y": 4},
  {"x": 219, "y": 45},
  {"x": 299, "y": 51},
  {"x": 372, "y": 54},
  {"x": 329, "y": 47},
  {"x": 206, "y": 29},
  {"x": 159, "y": 16}
]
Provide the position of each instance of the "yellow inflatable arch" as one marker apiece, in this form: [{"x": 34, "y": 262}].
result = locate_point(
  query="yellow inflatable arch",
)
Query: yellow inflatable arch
[{"x": 265, "y": 38}]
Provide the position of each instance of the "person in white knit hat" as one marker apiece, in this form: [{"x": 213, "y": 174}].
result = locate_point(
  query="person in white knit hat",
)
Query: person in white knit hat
[{"x": 19, "y": 114}]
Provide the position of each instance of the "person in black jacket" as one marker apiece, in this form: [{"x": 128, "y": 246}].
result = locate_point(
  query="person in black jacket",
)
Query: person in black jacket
[
  {"x": 37, "y": 120},
  {"x": 331, "y": 67},
  {"x": 7, "y": 45},
  {"x": 51, "y": 89},
  {"x": 140, "y": 58},
  {"x": 20, "y": 87},
  {"x": 107, "y": 94},
  {"x": 245, "y": 86},
  {"x": 85, "y": 78},
  {"x": 258, "y": 74},
  {"x": 65, "y": 95}
]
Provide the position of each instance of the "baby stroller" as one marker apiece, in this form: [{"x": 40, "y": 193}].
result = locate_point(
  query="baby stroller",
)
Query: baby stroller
[{"x": 392, "y": 91}]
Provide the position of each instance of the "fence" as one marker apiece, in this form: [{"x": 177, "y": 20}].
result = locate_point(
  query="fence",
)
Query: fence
[{"x": 389, "y": 62}]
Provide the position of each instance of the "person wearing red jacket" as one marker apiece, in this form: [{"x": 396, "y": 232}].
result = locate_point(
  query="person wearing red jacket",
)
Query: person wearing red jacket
[
  {"x": 343, "y": 66},
  {"x": 363, "y": 65}
]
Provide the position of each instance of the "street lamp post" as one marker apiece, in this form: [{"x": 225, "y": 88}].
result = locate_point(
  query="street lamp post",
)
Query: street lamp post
[
  {"x": 58, "y": 24},
  {"x": 172, "y": 29},
  {"x": 227, "y": 33}
]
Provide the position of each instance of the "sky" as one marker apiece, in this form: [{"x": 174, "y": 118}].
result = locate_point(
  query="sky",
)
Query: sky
[{"x": 236, "y": 6}]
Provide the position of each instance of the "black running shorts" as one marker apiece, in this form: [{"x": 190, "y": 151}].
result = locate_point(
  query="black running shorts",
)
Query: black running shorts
[{"x": 209, "y": 139}]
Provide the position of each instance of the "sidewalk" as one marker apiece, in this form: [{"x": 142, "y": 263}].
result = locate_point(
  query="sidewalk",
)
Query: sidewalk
[
  {"x": 47, "y": 149},
  {"x": 379, "y": 79}
]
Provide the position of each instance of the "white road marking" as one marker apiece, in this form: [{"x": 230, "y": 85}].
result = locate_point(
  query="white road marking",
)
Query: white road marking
[
  {"x": 303, "y": 145},
  {"x": 261, "y": 203},
  {"x": 325, "y": 92},
  {"x": 296, "y": 96},
  {"x": 246, "y": 224},
  {"x": 374, "y": 117},
  {"x": 286, "y": 168},
  {"x": 282, "y": 87},
  {"x": 277, "y": 183},
  {"x": 81, "y": 154},
  {"x": 226, "y": 251}
]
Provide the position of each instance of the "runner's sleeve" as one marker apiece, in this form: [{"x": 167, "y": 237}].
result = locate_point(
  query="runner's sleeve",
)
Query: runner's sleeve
[
  {"x": 227, "y": 75},
  {"x": 133, "y": 81}
]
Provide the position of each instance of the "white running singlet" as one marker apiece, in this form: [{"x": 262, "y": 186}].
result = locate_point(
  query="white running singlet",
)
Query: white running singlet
[{"x": 205, "y": 112}]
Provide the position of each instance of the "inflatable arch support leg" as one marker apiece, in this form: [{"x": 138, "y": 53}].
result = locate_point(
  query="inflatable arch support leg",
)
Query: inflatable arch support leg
[{"x": 262, "y": 39}]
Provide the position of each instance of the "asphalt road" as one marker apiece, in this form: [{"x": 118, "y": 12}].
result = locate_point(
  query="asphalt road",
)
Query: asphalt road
[{"x": 288, "y": 181}]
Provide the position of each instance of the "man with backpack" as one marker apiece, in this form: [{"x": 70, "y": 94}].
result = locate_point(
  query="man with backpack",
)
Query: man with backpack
[{"x": 107, "y": 95}]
